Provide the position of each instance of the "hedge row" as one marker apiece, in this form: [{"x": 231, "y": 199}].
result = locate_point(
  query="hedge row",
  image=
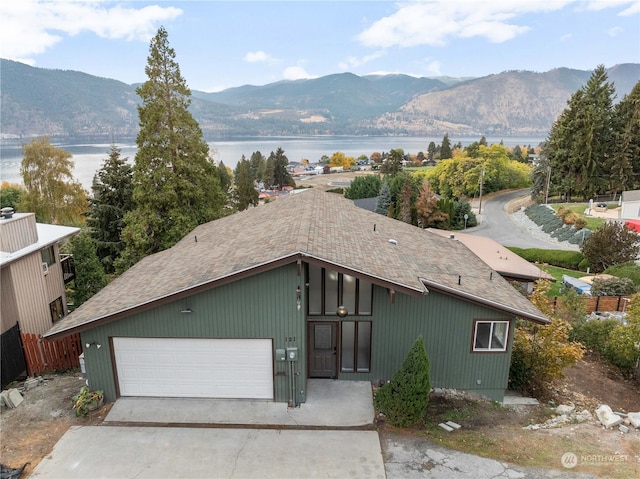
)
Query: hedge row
[
  {"x": 555, "y": 226},
  {"x": 563, "y": 259}
]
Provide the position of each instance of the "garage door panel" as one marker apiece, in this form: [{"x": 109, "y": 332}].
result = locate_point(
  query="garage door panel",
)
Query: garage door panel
[{"x": 215, "y": 368}]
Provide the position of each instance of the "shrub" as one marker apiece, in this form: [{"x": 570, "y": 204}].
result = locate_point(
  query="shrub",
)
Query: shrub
[
  {"x": 404, "y": 400},
  {"x": 612, "y": 287},
  {"x": 540, "y": 353},
  {"x": 626, "y": 270},
  {"x": 623, "y": 347},
  {"x": 592, "y": 333},
  {"x": 560, "y": 258}
]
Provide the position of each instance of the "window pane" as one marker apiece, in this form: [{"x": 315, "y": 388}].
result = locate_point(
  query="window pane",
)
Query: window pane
[
  {"x": 315, "y": 289},
  {"x": 499, "y": 337},
  {"x": 483, "y": 332},
  {"x": 322, "y": 337},
  {"x": 48, "y": 256},
  {"x": 364, "y": 346},
  {"x": 331, "y": 292},
  {"x": 364, "y": 297},
  {"x": 348, "y": 342},
  {"x": 349, "y": 293}
]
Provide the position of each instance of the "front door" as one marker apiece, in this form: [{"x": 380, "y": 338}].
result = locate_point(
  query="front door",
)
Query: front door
[{"x": 323, "y": 341}]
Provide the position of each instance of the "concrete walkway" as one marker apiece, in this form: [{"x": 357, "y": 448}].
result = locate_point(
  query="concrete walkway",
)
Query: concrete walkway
[{"x": 330, "y": 404}]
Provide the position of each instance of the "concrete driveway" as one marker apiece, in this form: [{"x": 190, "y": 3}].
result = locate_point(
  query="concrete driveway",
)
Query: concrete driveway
[{"x": 160, "y": 452}]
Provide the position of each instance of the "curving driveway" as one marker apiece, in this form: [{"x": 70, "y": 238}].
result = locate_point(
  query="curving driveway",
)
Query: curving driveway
[{"x": 500, "y": 226}]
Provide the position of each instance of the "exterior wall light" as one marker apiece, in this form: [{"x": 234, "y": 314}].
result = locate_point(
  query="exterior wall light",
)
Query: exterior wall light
[
  {"x": 342, "y": 311},
  {"x": 93, "y": 343}
]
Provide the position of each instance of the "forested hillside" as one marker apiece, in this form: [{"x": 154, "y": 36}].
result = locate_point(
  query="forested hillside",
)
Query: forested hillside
[{"x": 37, "y": 101}]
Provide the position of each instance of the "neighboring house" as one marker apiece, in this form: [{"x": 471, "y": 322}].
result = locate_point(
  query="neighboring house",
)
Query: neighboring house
[
  {"x": 309, "y": 286},
  {"x": 509, "y": 265},
  {"x": 33, "y": 275},
  {"x": 630, "y": 203}
]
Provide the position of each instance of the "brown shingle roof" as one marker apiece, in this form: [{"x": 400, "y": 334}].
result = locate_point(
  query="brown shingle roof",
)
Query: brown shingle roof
[{"x": 314, "y": 226}]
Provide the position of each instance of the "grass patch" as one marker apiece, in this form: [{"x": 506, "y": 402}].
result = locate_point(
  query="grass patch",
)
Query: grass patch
[
  {"x": 557, "y": 273},
  {"x": 579, "y": 208}
]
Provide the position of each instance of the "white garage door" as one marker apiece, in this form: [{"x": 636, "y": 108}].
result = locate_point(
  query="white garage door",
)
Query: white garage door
[{"x": 200, "y": 368}]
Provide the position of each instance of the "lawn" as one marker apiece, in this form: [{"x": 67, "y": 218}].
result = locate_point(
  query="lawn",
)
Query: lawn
[
  {"x": 579, "y": 208},
  {"x": 557, "y": 274}
]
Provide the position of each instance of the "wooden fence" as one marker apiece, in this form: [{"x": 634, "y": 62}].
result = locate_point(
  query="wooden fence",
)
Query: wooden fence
[
  {"x": 602, "y": 303},
  {"x": 43, "y": 355}
]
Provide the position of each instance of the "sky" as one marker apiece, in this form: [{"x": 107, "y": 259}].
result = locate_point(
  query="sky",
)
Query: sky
[{"x": 221, "y": 44}]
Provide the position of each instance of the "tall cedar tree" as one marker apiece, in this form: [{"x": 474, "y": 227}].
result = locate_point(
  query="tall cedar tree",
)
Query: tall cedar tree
[
  {"x": 580, "y": 142},
  {"x": 624, "y": 164},
  {"x": 90, "y": 276},
  {"x": 258, "y": 163},
  {"x": 245, "y": 192},
  {"x": 51, "y": 191},
  {"x": 112, "y": 198},
  {"x": 276, "y": 174},
  {"x": 176, "y": 186},
  {"x": 445, "y": 148},
  {"x": 405, "y": 203}
]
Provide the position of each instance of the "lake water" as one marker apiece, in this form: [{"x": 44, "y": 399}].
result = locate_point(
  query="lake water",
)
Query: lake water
[{"x": 89, "y": 158}]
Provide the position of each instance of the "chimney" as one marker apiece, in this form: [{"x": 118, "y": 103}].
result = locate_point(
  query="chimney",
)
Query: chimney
[{"x": 6, "y": 212}]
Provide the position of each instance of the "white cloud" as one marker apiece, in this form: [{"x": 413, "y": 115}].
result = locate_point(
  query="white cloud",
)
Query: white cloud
[
  {"x": 432, "y": 67},
  {"x": 436, "y": 22},
  {"x": 31, "y": 27},
  {"x": 296, "y": 73},
  {"x": 256, "y": 57},
  {"x": 354, "y": 62},
  {"x": 615, "y": 31}
]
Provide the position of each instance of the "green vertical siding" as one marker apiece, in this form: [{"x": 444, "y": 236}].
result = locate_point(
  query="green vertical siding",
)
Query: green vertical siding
[
  {"x": 446, "y": 325},
  {"x": 262, "y": 306}
]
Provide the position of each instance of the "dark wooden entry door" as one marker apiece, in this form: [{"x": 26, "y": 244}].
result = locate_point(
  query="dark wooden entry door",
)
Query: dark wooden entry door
[{"x": 323, "y": 341}]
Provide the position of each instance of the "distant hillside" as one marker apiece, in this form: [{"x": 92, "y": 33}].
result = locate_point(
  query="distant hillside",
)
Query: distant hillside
[
  {"x": 58, "y": 103},
  {"x": 510, "y": 103}
]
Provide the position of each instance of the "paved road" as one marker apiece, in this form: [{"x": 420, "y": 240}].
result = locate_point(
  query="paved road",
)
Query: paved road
[{"x": 500, "y": 226}]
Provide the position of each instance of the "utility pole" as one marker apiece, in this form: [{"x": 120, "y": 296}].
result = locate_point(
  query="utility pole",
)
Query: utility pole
[
  {"x": 546, "y": 195},
  {"x": 481, "y": 185}
]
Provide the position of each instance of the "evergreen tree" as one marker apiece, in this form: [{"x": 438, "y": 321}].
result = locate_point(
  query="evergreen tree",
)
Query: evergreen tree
[
  {"x": 245, "y": 192},
  {"x": 50, "y": 190},
  {"x": 258, "y": 164},
  {"x": 90, "y": 276},
  {"x": 281, "y": 176},
  {"x": 445, "y": 148},
  {"x": 624, "y": 163},
  {"x": 175, "y": 182},
  {"x": 112, "y": 198},
  {"x": 10, "y": 194},
  {"x": 393, "y": 164},
  {"x": 431, "y": 151},
  {"x": 404, "y": 400},
  {"x": 384, "y": 199},
  {"x": 405, "y": 203},
  {"x": 580, "y": 142},
  {"x": 367, "y": 186}
]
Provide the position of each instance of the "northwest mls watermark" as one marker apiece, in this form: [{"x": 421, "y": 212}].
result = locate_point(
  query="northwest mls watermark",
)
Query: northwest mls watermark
[{"x": 571, "y": 460}]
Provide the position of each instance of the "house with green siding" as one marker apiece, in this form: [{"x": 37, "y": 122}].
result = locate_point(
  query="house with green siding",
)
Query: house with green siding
[{"x": 309, "y": 286}]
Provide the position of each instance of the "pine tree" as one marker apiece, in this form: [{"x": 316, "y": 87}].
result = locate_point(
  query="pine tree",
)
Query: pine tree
[
  {"x": 112, "y": 198},
  {"x": 384, "y": 199},
  {"x": 624, "y": 164},
  {"x": 580, "y": 142},
  {"x": 245, "y": 191},
  {"x": 445, "y": 148},
  {"x": 404, "y": 214},
  {"x": 258, "y": 163},
  {"x": 176, "y": 186}
]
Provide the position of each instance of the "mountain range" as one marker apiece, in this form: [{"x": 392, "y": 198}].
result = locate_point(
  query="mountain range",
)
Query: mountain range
[{"x": 71, "y": 104}]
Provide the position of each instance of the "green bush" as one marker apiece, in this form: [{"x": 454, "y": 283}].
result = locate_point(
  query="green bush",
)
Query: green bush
[
  {"x": 625, "y": 270},
  {"x": 404, "y": 400},
  {"x": 562, "y": 259},
  {"x": 593, "y": 334},
  {"x": 612, "y": 287},
  {"x": 623, "y": 348},
  {"x": 564, "y": 225}
]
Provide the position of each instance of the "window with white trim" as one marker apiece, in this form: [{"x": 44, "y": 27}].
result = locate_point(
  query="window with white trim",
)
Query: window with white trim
[{"x": 490, "y": 335}]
